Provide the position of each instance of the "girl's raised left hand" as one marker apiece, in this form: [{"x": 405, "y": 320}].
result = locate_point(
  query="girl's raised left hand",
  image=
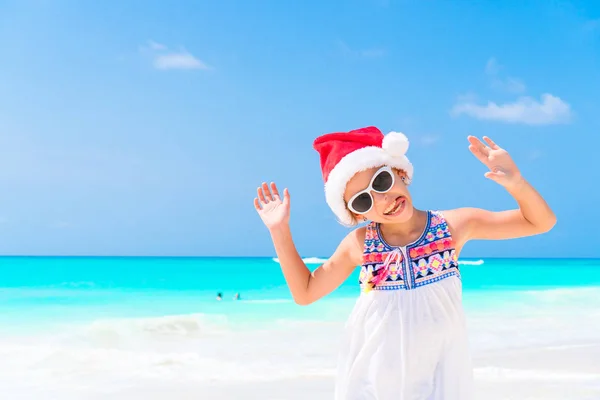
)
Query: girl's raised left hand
[{"x": 503, "y": 169}]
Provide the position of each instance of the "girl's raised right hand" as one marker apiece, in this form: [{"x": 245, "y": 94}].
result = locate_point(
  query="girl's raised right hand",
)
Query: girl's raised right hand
[{"x": 273, "y": 211}]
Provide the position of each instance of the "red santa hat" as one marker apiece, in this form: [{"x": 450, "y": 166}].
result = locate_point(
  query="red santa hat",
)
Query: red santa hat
[{"x": 343, "y": 154}]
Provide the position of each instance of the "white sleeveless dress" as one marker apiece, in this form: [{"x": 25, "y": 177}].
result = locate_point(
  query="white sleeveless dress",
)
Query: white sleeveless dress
[{"x": 406, "y": 337}]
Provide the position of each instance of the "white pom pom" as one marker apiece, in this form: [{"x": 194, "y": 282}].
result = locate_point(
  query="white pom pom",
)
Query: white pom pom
[{"x": 395, "y": 144}]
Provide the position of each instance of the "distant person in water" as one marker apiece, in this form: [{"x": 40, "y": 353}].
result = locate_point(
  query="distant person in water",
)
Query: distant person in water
[
  {"x": 219, "y": 296},
  {"x": 237, "y": 296}
]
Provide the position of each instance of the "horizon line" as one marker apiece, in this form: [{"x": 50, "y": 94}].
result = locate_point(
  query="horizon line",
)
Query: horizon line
[{"x": 270, "y": 257}]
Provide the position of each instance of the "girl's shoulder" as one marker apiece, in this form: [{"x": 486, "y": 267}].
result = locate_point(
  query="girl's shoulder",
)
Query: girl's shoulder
[
  {"x": 352, "y": 246},
  {"x": 450, "y": 216},
  {"x": 361, "y": 233},
  {"x": 458, "y": 221}
]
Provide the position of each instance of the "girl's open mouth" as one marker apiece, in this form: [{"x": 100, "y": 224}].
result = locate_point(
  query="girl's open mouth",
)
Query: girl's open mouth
[{"x": 395, "y": 207}]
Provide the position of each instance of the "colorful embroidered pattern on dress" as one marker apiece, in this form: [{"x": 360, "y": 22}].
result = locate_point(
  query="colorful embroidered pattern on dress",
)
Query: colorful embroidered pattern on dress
[{"x": 429, "y": 259}]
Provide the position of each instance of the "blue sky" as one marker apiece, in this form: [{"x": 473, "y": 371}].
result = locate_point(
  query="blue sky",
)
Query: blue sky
[{"x": 130, "y": 128}]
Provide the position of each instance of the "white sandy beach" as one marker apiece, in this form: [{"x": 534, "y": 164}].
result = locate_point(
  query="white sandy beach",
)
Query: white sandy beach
[
  {"x": 568, "y": 371},
  {"x": 562, "y": 373}
]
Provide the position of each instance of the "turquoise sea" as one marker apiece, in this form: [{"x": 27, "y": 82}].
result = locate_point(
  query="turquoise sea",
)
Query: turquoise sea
[{"x": 71, "y": 324}]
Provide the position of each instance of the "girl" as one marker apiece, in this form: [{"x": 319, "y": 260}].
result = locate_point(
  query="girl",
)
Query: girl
[{"x": 406, "y": 336}]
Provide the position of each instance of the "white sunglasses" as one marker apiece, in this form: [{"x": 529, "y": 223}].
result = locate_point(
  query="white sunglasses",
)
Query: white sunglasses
[{"x": 382, "y": 181}]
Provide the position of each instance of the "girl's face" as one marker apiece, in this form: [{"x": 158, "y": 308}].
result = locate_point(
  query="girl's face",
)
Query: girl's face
[{"x": 392, "y": 206}]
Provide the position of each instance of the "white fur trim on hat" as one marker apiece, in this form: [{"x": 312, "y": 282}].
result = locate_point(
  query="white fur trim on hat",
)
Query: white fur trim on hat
[{"x": 360, "y": 160}]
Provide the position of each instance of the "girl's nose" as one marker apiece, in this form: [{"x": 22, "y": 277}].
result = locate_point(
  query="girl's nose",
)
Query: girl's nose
[{"x": 379, "y": 196}]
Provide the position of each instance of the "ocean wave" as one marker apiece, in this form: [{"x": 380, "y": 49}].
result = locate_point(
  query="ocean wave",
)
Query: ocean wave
[
  {"x": 127, "y": 330},
  {"x": 561, "y": 292},
  {"x": 73, "y": 362},
  {"x": 318, "y": 260},
  {"x": 308, "y": 260},
  {"x": 471, "y": 262},
  {"x": 528, "y": 375},
  {"x": 586, "y": 297},
  {"x": 77, "y": 284},
  {"x": 222, "y": 359},
  {"x": 268, "y": 301}
]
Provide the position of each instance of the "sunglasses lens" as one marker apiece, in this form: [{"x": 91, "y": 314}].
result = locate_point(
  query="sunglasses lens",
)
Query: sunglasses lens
[
  {"x": 383, "y": 182},
  {"x": 362, "y": 203}
]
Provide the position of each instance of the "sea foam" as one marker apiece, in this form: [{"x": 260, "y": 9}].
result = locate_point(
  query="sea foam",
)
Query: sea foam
[{"x": 308, "y": 260}]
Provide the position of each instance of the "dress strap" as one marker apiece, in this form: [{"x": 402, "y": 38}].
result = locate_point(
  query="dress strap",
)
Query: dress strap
[{"x": 370, "y": 236}]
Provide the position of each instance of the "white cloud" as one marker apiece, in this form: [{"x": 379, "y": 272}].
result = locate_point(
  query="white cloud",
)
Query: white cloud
[
  {"x": 526, "y": 110},
  {"x": 156, "y": 46},
  {"x": 182, "y": 60},
  {"x": 492, "y": 67},
  {"x": 165, "y": 59},
  {"x": 548, "y": 110},
  {"x": 469, "y": 97},
  {"x": 507, "y": 84}
]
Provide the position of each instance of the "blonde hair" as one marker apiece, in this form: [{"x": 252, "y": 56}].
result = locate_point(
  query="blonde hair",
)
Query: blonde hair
[{"x": 400, "y": 172}]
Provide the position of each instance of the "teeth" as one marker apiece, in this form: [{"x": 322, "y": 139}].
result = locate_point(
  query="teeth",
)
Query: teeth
[
  {"x": 393, "y": 207},
  {"x": 390, "y": 208}
]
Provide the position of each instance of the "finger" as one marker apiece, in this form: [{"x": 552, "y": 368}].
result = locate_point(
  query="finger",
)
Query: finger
[
  {"x": 257, "y": 204},
  {"x": 267, "y": 192},
  {"x": 477, "y": 143},
  {"x": 286, "y": 197},
  {"x": 261, "y": 195},
  {"x": 495, "y": 176},
  {"x": 275, "y": 191},
  {"x": 477, "y": 153},
  {"x": 491, "y": 143}
]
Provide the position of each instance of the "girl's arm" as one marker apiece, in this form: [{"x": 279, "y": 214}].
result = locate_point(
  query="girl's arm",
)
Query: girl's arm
[
  {"x": 306, "y": 287},
  {"x": 533, "y": 216}
]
